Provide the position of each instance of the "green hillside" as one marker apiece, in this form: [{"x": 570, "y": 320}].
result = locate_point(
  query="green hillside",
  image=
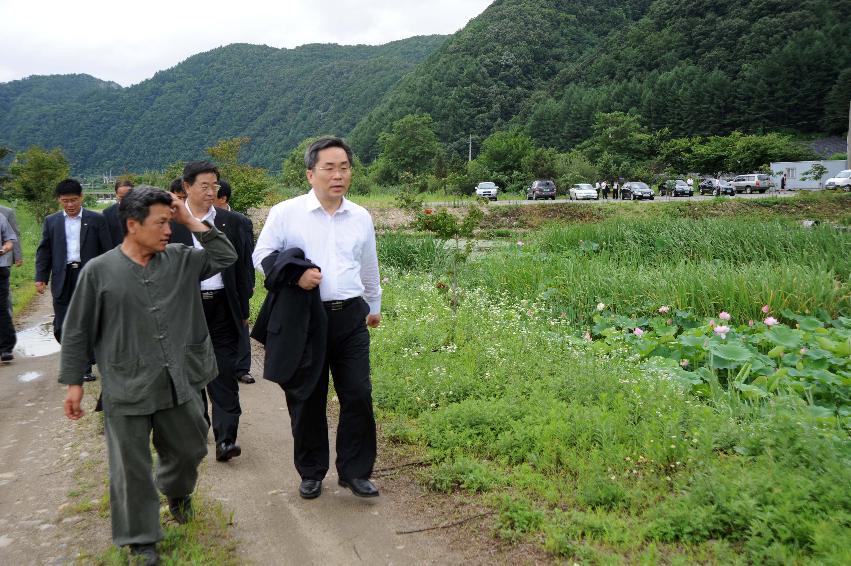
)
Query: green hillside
[
  {"x": 695, "y": 67},
  {"x": 275, "y": 96}
]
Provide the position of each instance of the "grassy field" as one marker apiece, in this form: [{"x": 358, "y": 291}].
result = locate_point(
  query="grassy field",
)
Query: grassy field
[{"x": 594, "y": 453}]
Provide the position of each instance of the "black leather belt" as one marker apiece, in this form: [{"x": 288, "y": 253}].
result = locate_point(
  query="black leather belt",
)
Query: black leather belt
[
  {"x": 339, "y": 305},
  {"x": 73, "y": 265},
  {"x": 208, "y": 295}
]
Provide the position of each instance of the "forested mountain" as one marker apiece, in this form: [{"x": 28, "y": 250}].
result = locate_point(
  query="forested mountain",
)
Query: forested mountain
[
  {"x": 277, "y": 97},
  {"x": 694, "y": 66}
]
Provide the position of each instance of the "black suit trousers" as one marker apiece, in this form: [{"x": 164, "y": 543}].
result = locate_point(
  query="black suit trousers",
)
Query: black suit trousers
[
  {"x": 223, "y": 391},
  {"x": 347, "y": 359},
  {"x": 8, "y": 338},
  {"x": 60, "y": 303}
]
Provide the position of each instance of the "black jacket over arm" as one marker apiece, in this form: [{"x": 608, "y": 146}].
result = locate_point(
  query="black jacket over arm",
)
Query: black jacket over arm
[
  {"x": 239, "y": 277},
  {"x": 116, "y": 234},
  {"x": 292, "y": 324},
  {"x": 51, "y": 254}
]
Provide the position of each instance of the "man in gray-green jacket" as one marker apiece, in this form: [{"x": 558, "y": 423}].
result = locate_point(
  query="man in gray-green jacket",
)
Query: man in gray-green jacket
[{"x": 137, "y": 309}]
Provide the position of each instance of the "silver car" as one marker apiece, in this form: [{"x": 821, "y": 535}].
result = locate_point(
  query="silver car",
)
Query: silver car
[{"x": 752, "y": 183}]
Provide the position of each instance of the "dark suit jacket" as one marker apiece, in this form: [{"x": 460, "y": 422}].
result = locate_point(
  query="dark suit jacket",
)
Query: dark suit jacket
[
  {"x": 116, "y": 234},
  {"x": 292, "y": 325},
  {"x": 51, "y": 254},
  {"x": 17, "y": 253},
  {"x": 239, "y": 277}
]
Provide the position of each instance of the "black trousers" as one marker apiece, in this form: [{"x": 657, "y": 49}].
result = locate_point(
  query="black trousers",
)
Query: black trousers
[
  {"x": 223, "y": 391},
  {"x": 8, "y": 338},
  {"x": 347, "y": 359},
  {"x": 60, "y": 303}
]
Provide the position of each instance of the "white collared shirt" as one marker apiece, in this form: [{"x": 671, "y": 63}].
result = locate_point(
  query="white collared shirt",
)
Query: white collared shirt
[
  {"x": 73, "y": 225},
  {"x": 215, "y": 282},
  {"x": 342, "y": 244}
]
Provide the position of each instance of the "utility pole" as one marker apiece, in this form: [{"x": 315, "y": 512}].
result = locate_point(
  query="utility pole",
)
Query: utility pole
[{"x": 470, "y": 145}]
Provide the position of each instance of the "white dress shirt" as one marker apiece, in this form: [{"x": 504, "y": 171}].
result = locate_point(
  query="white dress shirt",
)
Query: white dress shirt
[
  {"x": 73, "y": 225},
  {"x": 215, "y": 282},
  {"x": 342, "y": 244}
]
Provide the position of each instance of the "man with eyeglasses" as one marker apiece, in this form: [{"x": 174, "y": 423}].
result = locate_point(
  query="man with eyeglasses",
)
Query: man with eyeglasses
[
  {"x": 225, "y": 299},
  {"x": 338, "y": 237}
]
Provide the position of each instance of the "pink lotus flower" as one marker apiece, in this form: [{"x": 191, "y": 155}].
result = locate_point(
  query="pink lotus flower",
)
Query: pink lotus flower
[
  {"x": 750, "y": 322},
  {"x": 669, "y": 322},
  {"x": 765, "y": 309},
  {"x": 770, "y": 321},
  {"x": 712, "y": 323},
  {"x": 664, "y": 309},
  {"x": 724, "y": 315},
  {"x": 803, "y": 351},
  {"x": 721, "y": 331},
  {"x": 519, "y": 242},
  {"x": 587, "y": 336},
  {"x": 638, "y": 331},
  {"x": 684, "y": 363}
]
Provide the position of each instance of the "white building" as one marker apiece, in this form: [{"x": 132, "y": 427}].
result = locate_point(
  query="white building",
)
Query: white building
[{"x": 796, "y": 169}]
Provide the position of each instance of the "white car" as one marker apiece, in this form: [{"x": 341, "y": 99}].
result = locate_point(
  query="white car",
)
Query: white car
[
  {"x": 583, "y": 191},
  {"x": 487, "y": 189},
  {"x": 841, "y": 181}
]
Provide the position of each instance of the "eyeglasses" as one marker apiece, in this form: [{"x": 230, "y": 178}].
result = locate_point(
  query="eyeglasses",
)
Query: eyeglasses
[
  {"x": 208, "y": 188},
  {"x": 342, "y": 169}
]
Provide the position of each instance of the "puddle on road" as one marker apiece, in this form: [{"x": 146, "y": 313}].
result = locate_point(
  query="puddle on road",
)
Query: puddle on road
[
  {"x": 37, "y": 341},
  {"x": 29, "y": 376}
]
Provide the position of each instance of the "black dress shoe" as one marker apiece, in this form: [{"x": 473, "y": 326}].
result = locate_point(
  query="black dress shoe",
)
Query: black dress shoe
[
  {"x": 6, "y": 357},
  {"x": 361, "y": 488},
  {"x": 144, "y": 554},
  {"x": 89, "y": 376},
  {"x": 310, "y": 489},
  {"x": 246, "y": 378},
  {"x": 226, "y": 450},
  {"x": 181, "y": 508}
]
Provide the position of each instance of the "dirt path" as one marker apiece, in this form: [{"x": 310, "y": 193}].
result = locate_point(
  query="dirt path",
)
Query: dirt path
[{"x": 44, "y": 460}]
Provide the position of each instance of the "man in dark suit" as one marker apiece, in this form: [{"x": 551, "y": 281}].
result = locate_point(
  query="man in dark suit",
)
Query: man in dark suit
[
  {"x": 225, "y": 300},
  {"x": 243, "y": 362},
  {"x": 116, "y": 233},
  {"x": 69, "y": 240}
]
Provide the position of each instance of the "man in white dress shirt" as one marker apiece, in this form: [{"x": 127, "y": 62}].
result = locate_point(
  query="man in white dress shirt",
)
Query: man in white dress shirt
[{"x": 338, "y": 236}]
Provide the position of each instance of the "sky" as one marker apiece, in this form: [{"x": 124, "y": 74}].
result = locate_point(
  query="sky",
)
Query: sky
[{"x": 127, "y": 42}]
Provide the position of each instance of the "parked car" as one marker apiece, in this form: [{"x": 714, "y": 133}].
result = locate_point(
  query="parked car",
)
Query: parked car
[
  {"x": 841, "y": 181},
  {"x": 752, "y": 183},
  {"x": 583, "y": 191},
  {"x": 678, "y": 188},
  {"x": 487, "y": 189},
  {"x": 542, "y": 188},
  {"x": 636, "y": 190},
  {"x": 707, "y": 187}
]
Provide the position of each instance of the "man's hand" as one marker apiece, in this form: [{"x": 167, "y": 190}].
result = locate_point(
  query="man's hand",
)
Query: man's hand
[
  {"x": 373, "y": 320},
  {"x": 310, "y": 279},
  {"x": 181, "y": 215},
  {"x": 19, "y": 262},
  {"x": 40, "y": 286},
  {"x": 72, "y": 402}
]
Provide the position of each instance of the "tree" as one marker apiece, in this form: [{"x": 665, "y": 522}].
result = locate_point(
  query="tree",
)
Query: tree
[
  {"x": 814, "y": 173},
  {"x": 35, "y": 174},
  {"x": 4, "y": 153},
  {"x": 250, "y": 184},
  {"x": 410, "y": 146}
]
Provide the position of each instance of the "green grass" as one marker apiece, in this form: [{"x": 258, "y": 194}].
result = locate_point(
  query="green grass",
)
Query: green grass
[
  {"x": 600, "y": 458},
  {"x": 22, "y": 278}
]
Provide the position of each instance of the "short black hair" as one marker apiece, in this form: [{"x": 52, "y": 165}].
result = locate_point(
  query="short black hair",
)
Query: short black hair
[
  {"x": 194, "y": 168},
  {"x": 313, "y": 150},
  {"x": 224, "y": 190},
  {"x": 123, "y": 183},
  {"x": 137, "y": 204},
  {"x": 69, "y": 187},
  {"x": 176, "y": 185}
]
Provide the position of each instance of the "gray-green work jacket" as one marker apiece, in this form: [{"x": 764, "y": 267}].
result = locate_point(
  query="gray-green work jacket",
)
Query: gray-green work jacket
[{"x": 145, "y": 326}]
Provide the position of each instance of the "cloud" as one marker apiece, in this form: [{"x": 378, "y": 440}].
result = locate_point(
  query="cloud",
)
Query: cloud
[{"x": 128, "y": 43}]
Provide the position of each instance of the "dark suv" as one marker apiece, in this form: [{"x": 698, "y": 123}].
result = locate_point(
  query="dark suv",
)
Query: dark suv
[{"x": 541, "y": 188}]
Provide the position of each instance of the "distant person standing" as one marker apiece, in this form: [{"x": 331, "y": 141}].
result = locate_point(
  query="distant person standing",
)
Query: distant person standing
[
  {"x": 783, "y": 182},
  {"x": 69, "y": 240},
  {"x": 597, "y": 188},
  {"x": 17, "y": 252},
  {"x": 243, "y": 363},
  {"x": 604, "y": 186},
  {"x": 716, "y": 183},
  {"x": 110, "y": 213},
  {"x": 690, "y": 183},
  {"x": 8, "y": 338},
  {"x": 137, "y": 307},
  {"x": 616, "y": 188}
]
